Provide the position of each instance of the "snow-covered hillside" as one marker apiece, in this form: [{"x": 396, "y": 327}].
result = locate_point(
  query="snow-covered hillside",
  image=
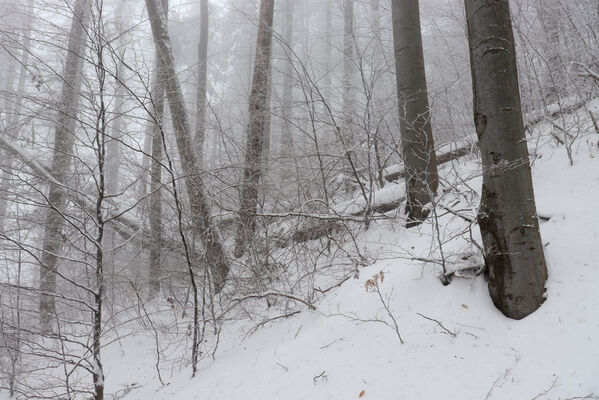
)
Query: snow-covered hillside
[{"x": 456, "y": 344}]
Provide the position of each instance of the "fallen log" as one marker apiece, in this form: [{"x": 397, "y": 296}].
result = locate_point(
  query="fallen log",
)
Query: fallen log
[
  {"x": 123, "y": 225},
  {"x": 553, "y": 110},
  {"x": 313, "y": 231},
  {"x": 441, "y": 159}
]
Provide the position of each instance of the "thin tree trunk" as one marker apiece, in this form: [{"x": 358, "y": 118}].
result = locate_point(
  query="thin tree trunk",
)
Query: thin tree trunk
[
  {"x": 216, "y": 257},
  {"x": 550, "y": 15},
  {"x": 255, "y": 135},
  {"x": 507, "y": 216},
  {"x": 113, "y": 159},
  {"x": 287, "y": 135},
  {"x": 377, "y": 100},
  {"x": 266, "y": 145},
  {"x": 201, "y": 100},
  {"x": 8, "y": 79},
  {"x": 147, "y": 149},
  {"x": 13, "y": 120},
  {"x": 64, "y": 136},
  {"x": 328, "y": 28},
  {"x": 155, "y": 271},
  {"x": 415, "y": 117},
  {"x": 113, "y": 151},
  {"x": 348, "y": 71}
]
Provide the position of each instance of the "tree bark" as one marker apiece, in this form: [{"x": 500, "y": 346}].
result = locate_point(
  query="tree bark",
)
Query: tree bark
[
  {"x": 266, "y": 143},
  {"x": 287, "y": 112},
  {"x": 415, "y": 117},
  {"x": 64, "y": 137},
  {"x": 13, "y": 125},
  {"x": 550, "y": 14},
  {"x": 348, "y": 72},
  {"x": 201, "y": 100},
  {"x": 216, "y": 257},
  {"x": 155, "y": 271},
  {"x": 328, "y": 58},
  {"x": 113, "y": 151},
  {"x": 507, "y": 215},
  {"x": 258, "y": 111}
]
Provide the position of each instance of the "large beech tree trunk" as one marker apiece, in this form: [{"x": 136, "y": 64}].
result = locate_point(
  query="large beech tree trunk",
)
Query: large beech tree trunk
[
  {"x": 64, "y": 136},
  {"x": 507, "y": 215},
  {"x": 256, "y": 131},
  {"x": 201, "y": 100},
  {"x": 216, "y": 257},
  {"x": 417, "y": 142}
]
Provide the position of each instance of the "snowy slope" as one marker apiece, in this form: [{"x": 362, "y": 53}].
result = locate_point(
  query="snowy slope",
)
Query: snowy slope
[{"x": 339, "y": 352}]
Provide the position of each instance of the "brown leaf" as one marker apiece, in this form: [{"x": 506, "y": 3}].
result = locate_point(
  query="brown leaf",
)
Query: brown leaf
[
  {"x": 362, "y": 393},
  {"x": 464, "y": 306}
]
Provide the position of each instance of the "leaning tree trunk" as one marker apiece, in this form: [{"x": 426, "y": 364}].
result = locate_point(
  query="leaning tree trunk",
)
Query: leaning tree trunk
[
  {"x": 417, "y": 142},
  {"x": 155, "y": 271},
  {"x": 507, "y": 216},
  {"x": 216, "y": 257},
  {"x": 256, "y": 130},
  {"x": 64, "y": 137},
  {"x": 201, "y": 100}
]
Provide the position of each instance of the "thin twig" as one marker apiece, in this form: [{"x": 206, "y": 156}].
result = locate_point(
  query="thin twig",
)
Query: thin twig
[{"x": 439, "y": 323}]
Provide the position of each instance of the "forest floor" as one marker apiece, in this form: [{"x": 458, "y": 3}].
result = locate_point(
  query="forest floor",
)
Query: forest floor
[{"x": 456, "y": 344}]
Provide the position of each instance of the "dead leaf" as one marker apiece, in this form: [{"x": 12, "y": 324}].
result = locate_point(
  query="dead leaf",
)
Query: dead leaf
[
  {"x": 362, "y": 393},
  {"x": 464, "y": 306}
]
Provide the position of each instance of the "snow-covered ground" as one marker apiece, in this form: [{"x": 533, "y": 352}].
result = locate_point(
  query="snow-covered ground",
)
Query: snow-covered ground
[{"x": 457, "y": 345}]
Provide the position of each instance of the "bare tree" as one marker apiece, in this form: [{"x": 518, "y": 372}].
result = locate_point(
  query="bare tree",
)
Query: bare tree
[
  {"x": 417, "y": 142},
  {"x": 348, "y": 69},
  {"x": 201, "y": 100},
  {"x": 14, "y": 111},
  {"x": 64, "y": 136},
  {"x": 255, "y": 134},
  {"x": 113, "y": 150},
  {"x": 155, "y": 271},
  {"x": 328, "y": 58},
  {"x": 286, "y": 107},
  {"x": 550, "y": 14},
  {"x": 507, "y": 216},
  {"x": 215, "y": 254}
]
